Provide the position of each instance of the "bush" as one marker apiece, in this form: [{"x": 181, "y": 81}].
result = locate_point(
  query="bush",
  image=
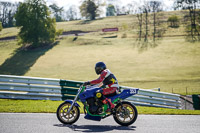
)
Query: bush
[
  {"x": 59, "y": 32},
  {"x": 124, "y": 35},
  {"x": 174, "y": 21},
  {"x": 125, "y": 26}
]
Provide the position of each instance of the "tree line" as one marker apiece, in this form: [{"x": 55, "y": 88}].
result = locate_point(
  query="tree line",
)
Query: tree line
[
  {"x": 192, "y": 18},
  {"x": 7, "y": 12},
  {"x": 90, "y": 9},
  {"x": 37, "y": 26}
]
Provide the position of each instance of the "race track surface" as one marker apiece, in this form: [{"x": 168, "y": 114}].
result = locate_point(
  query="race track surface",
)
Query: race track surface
[{"x": 48, "y": 123}]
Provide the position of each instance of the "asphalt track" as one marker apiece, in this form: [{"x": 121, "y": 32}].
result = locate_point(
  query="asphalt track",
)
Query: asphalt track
[{"x": 48, "y": 123}]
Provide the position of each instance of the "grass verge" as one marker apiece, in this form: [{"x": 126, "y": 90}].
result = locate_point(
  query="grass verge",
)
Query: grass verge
[{"x": 47, "y": 106}]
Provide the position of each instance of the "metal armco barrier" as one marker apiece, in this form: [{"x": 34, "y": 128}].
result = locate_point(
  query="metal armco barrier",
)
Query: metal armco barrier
[{"x": 22, "y": 87}]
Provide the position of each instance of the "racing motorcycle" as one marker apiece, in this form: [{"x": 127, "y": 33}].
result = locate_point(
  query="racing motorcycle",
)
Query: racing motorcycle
[{"x": 124, "y": 113}]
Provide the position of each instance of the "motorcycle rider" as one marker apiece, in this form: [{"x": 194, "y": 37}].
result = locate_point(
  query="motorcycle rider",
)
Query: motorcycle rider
[{"x": 110, "y": 85}]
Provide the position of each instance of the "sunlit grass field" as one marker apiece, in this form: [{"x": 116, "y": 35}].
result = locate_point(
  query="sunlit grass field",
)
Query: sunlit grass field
[
  {"x": 173, "y": 63},
  {"x": 7, "y": 32},
  {"x": 46, "y": 106}
]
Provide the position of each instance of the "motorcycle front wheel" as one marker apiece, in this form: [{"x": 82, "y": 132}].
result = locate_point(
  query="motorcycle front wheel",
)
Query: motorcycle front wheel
[
  {"x": 69, "y": 118},
  {"x": 126, "y": 114}
]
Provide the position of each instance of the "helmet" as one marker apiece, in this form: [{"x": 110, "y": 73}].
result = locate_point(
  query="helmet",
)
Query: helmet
[{"x": 99, "y": 67}]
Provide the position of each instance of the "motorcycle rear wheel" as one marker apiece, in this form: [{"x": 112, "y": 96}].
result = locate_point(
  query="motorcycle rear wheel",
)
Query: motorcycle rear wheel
[
  {"x": 126, "y": 114},
  {"x": 65, "y": 118}
]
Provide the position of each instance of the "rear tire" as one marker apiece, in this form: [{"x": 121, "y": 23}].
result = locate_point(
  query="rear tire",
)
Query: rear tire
[
  {"x": 65, "y": 118},
  {"x": 126, "y": 114}
]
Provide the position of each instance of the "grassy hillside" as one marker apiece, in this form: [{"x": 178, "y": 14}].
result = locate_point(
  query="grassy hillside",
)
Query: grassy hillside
[
  {"x": 170, "y": 63},
  {"x": 127, "y": 23}
]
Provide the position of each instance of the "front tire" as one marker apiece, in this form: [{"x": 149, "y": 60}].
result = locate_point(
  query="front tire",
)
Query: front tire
[
  {"x": 65, "y": 118},
  {"x": 126, "y": 114}
]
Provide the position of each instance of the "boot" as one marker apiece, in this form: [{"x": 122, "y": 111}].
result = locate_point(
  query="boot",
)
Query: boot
[{"x": 110, "y": 104}]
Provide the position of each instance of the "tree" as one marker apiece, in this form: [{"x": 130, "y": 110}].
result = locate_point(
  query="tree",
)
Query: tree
[
  {"x": 140, "y": 21},
  {"x": 118, "y": 9},
  {"x": 57, "y": 12},
  {"x": 131, "y": 8},
  {"x": 149, "y": 27},
  {"x": 7, "y": 11},
  {"x": 1, "y": 26},
  {"x": 192, "y": 27},
  {"x": 155, "y": 8},
  {"x": 90, "y": 9},
  {"x": 146, "y": 11},
  {"x": 36, "y": 25},
  {"x": 174, "y": 21},
  {"x": 71, "y": 13},
  {"x": 110, "y": 10}
]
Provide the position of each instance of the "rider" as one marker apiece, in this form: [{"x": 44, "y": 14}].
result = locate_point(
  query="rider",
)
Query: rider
[{"x": 110, "y": 84}]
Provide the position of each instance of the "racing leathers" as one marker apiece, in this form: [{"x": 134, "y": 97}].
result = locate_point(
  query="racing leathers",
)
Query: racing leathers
[
  {"x": 109, "y": 82},
  {"x": 110, "y": 86}
]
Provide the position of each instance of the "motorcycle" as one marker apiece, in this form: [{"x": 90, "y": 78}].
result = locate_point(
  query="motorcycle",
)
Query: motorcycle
[{"x": 124, "y": 113}]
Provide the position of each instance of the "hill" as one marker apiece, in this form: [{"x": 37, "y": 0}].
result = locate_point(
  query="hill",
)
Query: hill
[
  {"x": 171, "y": 64},
  {"x": 125, "y": 23}
]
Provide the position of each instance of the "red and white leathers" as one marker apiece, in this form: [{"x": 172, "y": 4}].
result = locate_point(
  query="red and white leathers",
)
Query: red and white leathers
[{"x": 109, "y": 81}]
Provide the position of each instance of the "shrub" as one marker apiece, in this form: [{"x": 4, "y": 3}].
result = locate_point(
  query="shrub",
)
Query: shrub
[
  {"x": 174, "y": 21},
  {"x": 124, "y": 35}
]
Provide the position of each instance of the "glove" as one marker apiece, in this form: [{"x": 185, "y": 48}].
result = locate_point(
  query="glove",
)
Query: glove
[{"x": 86, "y": 83}]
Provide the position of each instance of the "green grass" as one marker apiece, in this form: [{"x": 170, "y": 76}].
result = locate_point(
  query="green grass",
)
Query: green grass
[
  {"x": 174, "y": 63},
  {"x": 164, "y": 111},
  {"x": 46, "y": 106},
  {"x": 28, "y": 106},
  {"x": 6, "y": 32}
]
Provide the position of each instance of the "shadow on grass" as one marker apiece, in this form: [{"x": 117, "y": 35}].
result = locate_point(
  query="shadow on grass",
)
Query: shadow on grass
[
  {"x": 144, "y": 46},
  {"x": 22, "y": 60},
  {"x": 111, "y": 36},
  {"x": 97, "y": 128},
  {"x": 88, "y": 21},
  {"x": 85, "y": 22}
]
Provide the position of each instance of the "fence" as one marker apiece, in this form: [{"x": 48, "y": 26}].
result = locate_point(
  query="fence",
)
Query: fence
[{"x": 22, "y": 87}]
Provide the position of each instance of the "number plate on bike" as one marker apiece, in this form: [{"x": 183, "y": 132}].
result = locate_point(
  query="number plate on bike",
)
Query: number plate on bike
[{"x": 133, "y": 91}]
